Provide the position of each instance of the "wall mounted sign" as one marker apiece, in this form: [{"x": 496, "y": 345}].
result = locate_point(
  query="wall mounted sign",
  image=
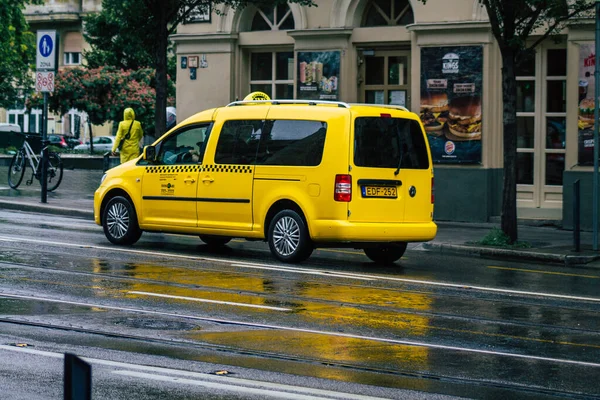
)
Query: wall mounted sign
[
  {"x": 200, "y": 13},
  {"x": 192, "y": 74},
  {"x": 585, "y": 121},
  {"x": 193, "y": 61},
  {"x": 451, "y": 97},
  {"x": 318, "y": 75},
  {"x": 183, "y": 62}
]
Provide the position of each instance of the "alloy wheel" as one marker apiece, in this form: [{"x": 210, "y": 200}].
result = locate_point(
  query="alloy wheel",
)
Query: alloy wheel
[
  {"x": 286, "y": 235},
  {"x": 117, "y": 220}
]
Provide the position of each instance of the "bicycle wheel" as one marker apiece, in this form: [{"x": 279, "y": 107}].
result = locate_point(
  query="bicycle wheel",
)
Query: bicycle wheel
[
  {"x": 55, "y": 171},
  {"x": 16, "y": 170}
]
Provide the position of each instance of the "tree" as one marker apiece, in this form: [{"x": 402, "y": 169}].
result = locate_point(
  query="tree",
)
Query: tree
[
  {"x": 17, "y": 52},
  {"x": 103, "y": 93},
  {"x": 126, "y": 27},
  {"x": 519, "y": 26}
]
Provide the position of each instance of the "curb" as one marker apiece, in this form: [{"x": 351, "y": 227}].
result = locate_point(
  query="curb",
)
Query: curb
[
  {"x": 521, "y": 255},
  {"x": 48, "y": 209}
]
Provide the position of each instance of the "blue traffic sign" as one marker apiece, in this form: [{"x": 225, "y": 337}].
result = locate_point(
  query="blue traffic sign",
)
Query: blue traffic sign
[
  {"x": 45, "y": 45},
  {"x": 46, "y": 50}
]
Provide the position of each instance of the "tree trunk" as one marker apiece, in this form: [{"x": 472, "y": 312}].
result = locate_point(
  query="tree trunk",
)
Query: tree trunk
[
  {"x": 160, "y": 117},
  {"x": 91, "y": 137},
  {"x": 509, "y": 122}
]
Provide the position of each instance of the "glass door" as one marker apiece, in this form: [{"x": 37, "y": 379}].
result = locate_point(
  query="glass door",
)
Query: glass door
[
  {"x": 541, "y": 134},
  {"x": 385, "y": 77}
]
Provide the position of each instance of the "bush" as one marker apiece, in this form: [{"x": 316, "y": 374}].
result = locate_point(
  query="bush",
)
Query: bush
[{"x": 498, "y": 238}]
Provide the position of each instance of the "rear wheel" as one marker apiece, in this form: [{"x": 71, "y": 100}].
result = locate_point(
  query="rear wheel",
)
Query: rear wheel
[
  {"x": 386, "y": 254},
  {"x": 54, "y": 172},
  {"x": 215, "y": 241},
  {"x": 16, "y": 170},
  {"x": 288, "y": 237},
  {"x": 120, "y": 222}
]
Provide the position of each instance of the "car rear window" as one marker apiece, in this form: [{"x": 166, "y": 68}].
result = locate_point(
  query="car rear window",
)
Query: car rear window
[{"x": 380, "y": 142}]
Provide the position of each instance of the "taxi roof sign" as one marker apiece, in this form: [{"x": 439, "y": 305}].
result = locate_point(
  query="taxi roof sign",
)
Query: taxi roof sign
[{"x": 257, "y": 96}]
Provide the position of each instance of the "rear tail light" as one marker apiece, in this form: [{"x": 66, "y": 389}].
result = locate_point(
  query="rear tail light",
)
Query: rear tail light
[
  {"x": 343, "y": 188},
  {"x": 432, "y": 191}
]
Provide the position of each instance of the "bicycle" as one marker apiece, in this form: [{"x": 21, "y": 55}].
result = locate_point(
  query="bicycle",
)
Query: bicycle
[{"x": 18, "y": 164}]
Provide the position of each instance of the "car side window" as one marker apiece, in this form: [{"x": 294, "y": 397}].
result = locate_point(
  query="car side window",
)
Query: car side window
[
  {"x": 185, "y": 146},
  {"x": 238, "y": 142},
  {"x": 292, "y": 142}
]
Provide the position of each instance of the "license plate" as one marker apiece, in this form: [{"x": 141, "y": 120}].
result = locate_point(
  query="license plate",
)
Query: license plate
[{"x": 390, "y": 192}]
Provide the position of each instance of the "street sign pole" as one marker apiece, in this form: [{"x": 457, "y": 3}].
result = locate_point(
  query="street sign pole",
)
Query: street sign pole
[
  {"x": 596, "y": 150},
  {"x": 44, "y": 170},
  {"x": 44, "y": 82}
]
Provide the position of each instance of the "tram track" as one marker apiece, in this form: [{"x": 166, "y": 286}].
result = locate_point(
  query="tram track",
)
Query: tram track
[
  {"x": 451, "y": 318},
  {"x": 233, "y": 351}
]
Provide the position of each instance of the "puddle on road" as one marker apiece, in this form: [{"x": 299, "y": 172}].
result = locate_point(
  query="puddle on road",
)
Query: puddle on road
[{"x": 325, "y": 349}]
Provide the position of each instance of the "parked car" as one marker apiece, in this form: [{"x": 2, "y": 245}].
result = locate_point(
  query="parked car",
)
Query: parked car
[
  {"x": 58, "y": 141},
  {"x": 73, "y": 141},
  {"x": 101, "y": 143}
]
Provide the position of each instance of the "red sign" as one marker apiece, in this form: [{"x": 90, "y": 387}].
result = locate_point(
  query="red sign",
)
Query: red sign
[{"x": 44, "y": 81}]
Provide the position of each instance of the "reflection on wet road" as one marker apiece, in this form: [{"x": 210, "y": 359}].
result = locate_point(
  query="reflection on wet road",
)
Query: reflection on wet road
[{"x": 442, "y": 323}]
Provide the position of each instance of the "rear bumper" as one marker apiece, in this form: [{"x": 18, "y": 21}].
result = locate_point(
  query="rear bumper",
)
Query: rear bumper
[{"x": 344, "y": 231}]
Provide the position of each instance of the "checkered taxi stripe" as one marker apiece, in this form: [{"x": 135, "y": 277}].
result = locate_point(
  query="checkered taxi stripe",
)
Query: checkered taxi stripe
[{"x": 227, "y": 168}]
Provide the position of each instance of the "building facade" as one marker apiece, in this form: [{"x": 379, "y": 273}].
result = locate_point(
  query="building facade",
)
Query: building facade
[
  {"x": 439, "y": 59},
  {"x": 66, "y": 18}
]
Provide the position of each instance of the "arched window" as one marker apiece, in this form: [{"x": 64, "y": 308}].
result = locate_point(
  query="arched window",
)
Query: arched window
[
  {"x": 388, "y": 13},
  {"x": 278, "y": 18}
]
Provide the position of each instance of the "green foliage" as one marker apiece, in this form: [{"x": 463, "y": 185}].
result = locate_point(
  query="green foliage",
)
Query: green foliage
[
  {"x": 498, "y": 238},
  {"x": 103, "y": 93},
  {"x": 131, "y": 34},
  {"x": 513, "y": 23},
  {"x": 17, "y": 52},
  {"x": 113, "y": 41}
]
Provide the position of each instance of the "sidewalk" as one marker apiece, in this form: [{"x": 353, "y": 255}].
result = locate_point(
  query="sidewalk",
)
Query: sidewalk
[{"x": 549, "y": 244}]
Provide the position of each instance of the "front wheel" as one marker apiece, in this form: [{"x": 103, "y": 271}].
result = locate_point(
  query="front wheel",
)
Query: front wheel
[
  {"x": 54, "y": 172},
  {"x": 16, "y": 170},
  {"x": 386, "y": 254},
  {"x": 288, "y": 237},
  {"x": 120, "y": 222}
]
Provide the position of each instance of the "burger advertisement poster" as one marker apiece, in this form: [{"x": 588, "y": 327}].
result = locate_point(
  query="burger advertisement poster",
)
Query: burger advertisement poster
[
  {"x": 318, "y": 74},
  {"x": 587, "y": 65},
  {"x": 451, "y": 84}
]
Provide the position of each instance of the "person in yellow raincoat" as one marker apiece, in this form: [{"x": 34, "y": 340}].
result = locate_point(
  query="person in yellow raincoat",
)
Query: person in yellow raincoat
[{"x": 130, "y": 131}]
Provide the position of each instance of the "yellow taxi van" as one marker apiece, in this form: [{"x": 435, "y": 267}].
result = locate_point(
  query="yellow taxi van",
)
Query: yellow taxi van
[{"x": 297, "y": 174}]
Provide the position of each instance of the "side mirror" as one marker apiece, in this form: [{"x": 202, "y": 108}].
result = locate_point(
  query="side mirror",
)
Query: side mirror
[{"x": 149, "y": 153}]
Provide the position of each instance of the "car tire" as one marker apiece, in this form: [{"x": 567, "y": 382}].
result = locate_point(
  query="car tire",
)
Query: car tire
[
  {"x": 288, "y": 237},
  {"x": 120, "y": 223},
  {"x": 215, "y": 241},
  {"x": 386, "y": 254}
]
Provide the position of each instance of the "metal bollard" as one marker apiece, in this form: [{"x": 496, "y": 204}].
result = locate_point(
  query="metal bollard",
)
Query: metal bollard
[
  {"x": 106, "y": 162},
  {"x": 77, "y": 378},
  {"x": 576, "y": 217}
]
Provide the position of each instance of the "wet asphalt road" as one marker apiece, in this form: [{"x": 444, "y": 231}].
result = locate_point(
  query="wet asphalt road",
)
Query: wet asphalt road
[{"x": 161, "y": 318}]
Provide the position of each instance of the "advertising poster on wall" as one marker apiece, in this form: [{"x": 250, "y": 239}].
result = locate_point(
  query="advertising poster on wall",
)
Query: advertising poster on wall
[
  {"x": 587, "y": 64},
  {"x": 318, "y": 75},
  {"x": 451, "y": 94}
]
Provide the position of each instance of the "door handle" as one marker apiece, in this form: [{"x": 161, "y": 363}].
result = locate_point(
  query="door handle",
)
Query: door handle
[
  {"x": 189, "y": 180},
  {"x": 207, "y": 179}
]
